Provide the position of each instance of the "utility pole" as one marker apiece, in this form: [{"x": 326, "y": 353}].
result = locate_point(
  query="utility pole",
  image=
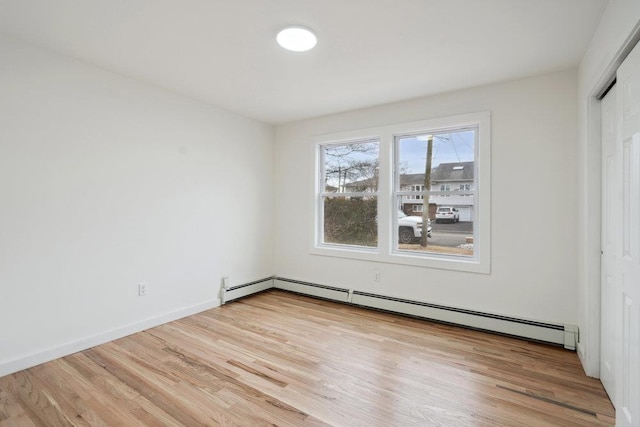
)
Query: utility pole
[{"x": 427, "y": 191}]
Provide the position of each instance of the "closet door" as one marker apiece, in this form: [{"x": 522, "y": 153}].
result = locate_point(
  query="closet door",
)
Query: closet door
[
  {"x": 611, "y": 288},
  {"x": 628, "y": 399}
]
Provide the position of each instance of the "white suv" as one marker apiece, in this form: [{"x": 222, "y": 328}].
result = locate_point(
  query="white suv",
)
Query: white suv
[
  {"x": 447, "y": 213},
  {"x": 410, "y": 227}
]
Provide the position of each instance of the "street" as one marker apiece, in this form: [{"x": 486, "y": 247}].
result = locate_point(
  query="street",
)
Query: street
[{"x": 450, "y": 234}]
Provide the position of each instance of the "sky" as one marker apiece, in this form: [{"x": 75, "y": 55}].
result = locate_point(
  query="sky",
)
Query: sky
[
  {"x": 450, "y": 147},
  {"x": 447, "y": 148}
]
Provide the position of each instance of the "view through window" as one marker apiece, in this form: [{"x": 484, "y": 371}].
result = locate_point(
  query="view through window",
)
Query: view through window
[
  {"x": 413, "y": 193},
  {"x": 435, "y": 181},
  {"x": 349, "y": 198}
]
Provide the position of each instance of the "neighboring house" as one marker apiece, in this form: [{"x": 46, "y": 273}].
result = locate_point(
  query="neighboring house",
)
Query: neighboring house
[
  {"x": 454, "y": 177},
  {"x": 362, "y": 186},
  {"x": 414, "y": 205}
]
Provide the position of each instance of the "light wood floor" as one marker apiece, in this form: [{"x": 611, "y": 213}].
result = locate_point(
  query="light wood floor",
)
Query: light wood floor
[{"x": 283, "y": 359}]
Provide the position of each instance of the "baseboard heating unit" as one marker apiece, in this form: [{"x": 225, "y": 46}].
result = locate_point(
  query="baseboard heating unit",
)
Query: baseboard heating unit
[
  {"x": 246, "y": 289},
  {"x": 551, "y": 333}
]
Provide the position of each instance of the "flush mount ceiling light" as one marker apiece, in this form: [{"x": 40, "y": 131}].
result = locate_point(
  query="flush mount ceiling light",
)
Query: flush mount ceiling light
[{"x": 297, "y": 38}]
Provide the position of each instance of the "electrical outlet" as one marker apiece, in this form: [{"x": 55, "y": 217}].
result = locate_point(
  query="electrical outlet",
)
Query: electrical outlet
[
  {"x": 142, "y": 289},
  {"x": 376, "y": 276}
]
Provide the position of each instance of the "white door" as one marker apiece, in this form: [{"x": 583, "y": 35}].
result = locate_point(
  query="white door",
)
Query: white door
[
  {"x": 611, "y": 289},
  {"x": 628, "y": 393}
]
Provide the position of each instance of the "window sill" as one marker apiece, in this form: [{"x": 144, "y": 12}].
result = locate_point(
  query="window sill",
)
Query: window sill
[{"x": 435, "y": 261}]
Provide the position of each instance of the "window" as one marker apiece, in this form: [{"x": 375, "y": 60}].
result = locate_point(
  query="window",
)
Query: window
[
  {"x": 349, "y": 197},
  {"x": 436, "y": 156},
  {"x": 466, "y": 188},
  {"x": 368, "y": 179},
  {"x": 418, "y": 188}
]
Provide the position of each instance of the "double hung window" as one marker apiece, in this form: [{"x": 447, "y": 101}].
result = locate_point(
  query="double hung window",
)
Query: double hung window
[
  {"x": 349, "y": 195},
  {"x": 445, "y": 162},
  {"x": 416, "y": 193}
]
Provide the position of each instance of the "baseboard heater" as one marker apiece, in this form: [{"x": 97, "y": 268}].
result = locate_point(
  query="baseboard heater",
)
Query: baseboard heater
[
  {"x": 550, "y": 333},
  {"x": 246, "y": 289}
]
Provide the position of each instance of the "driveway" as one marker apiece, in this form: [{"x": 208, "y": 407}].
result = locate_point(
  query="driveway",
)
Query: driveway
[
  {"x": 458, "y": 227},
  {"x": 450, "y": 234},
  {"x": 452, "y": 240}
]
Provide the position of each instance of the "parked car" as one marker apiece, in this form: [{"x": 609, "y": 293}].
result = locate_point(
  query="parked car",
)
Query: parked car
[
  {"x": 447, "y": 213},
  {"x": 410, "y": 227}
]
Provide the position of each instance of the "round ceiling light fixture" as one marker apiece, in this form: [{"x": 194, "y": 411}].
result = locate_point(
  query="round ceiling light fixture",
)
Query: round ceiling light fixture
[{"x": 297, "y": 38}]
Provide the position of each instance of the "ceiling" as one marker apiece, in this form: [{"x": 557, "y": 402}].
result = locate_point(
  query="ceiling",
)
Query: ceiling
[{"x": 369, "y": 52}]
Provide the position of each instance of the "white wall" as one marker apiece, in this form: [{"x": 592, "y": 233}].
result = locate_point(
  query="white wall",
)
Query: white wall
[
  {"x": 106, "y": 182},
  {"x": 534, "y": 234},
  {"x": 606, "y": 51}
]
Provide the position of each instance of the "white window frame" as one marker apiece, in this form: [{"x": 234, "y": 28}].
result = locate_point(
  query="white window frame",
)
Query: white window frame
[
  {"x": 323, "y": 194},
  {"x": 480, "y": 262}
]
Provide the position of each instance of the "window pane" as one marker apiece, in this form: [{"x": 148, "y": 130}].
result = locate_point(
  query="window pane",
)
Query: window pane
[
  {"x": 448, "y": 237},
  {"x": 351, "y": 167},
  {"x": 351, "y": 220},
  {"x": 442, "y": 162},
  {"x": 452, "y": 156}
]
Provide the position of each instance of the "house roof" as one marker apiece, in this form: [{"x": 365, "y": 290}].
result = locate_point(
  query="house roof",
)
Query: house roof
[
  {"x": 363, "y": 183},
  {"x": 459, "y": 171},
  {"x": 462, "y": 171},
  {"x": 412, "y": 179}
]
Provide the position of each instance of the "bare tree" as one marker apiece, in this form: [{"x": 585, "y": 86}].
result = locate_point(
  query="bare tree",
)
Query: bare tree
[{"x": 350, "y": 163}]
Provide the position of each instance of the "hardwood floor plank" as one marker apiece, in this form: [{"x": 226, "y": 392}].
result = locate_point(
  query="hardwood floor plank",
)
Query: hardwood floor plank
[
  {"x": 155, "y": 390},
  {"x": 21, "y": 420},
  {"x": 283, "y": 359},
  {"x": 39, "y": 406},
  {"x": 10, "y": 409},
  {"x": 118, "y": 393}
]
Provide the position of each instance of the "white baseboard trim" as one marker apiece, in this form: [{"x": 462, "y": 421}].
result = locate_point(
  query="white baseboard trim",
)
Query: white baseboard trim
[
  {"x": 590, "y": 369},
  {"x": 37, "y": 358}
]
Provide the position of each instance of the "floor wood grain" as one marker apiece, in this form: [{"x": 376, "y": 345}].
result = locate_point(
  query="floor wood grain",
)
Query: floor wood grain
[{"x": 283, "y": 359}]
